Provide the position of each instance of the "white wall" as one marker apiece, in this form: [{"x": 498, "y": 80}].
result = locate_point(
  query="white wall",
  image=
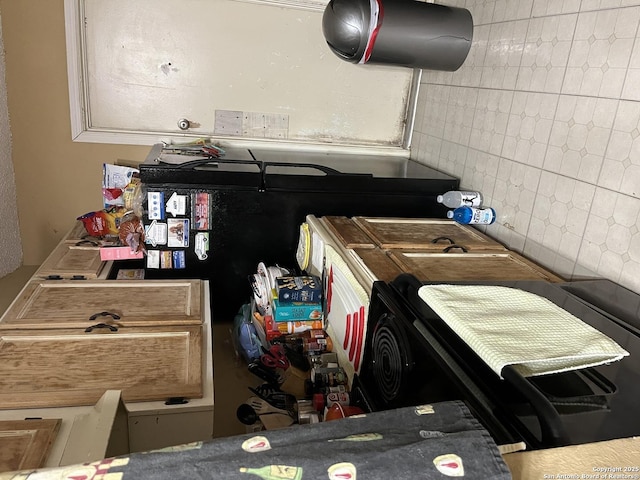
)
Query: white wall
[{"x": 10, "y": 244}]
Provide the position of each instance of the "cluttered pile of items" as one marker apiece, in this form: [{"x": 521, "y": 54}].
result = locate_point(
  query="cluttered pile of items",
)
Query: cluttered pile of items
[
  {"x": 118, "y": 228},
  {"x": 281, "y": 336},
  {"x": 133, "y": 222}
]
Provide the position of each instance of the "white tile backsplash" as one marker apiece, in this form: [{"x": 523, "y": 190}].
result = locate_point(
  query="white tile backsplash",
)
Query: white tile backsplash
[
  {"x": 600, "y": 52},
  {"x": 621, "y": 167},
  {"x": 544, "y": 118},
  {"x": 529, "y": 127},
  {"x": 545, "y": 54},
  {"x": 543, "y": 8}
]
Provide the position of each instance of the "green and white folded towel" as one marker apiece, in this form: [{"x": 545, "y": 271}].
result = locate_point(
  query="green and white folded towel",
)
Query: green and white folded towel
[{"x": 508, "y": 326}]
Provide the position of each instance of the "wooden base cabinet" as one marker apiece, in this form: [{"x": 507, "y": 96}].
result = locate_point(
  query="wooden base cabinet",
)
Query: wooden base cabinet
[
  {"x": 64, "y": 343},
  {"x": 52, "y": 437},
  {"x": 430, "y": 249}
]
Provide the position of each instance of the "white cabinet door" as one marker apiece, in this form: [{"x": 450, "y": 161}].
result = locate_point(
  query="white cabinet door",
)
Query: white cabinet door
[{"x": 237, "y": 71}]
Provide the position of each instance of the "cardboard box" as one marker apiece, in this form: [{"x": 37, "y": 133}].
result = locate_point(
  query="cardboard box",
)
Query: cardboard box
[
  {"x": 296, "y": 311},
  {"x": 307, "y": 289},
  {"x": 601, "y": 460},
  {"x": 275, "y": 329},
  {"x": 119, "y": 253}
]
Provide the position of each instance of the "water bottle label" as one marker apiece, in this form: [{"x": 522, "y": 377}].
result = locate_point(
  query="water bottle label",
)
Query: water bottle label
[
  {"x": 482, "y": 216},
  {"x": 471, "y": 199}
]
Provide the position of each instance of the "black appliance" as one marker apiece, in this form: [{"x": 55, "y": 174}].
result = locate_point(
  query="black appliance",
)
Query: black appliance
[
  {"x": 258, "y": 199},
  {"x": 412, "y": 357},
  {"x": 613, "y": 301}
]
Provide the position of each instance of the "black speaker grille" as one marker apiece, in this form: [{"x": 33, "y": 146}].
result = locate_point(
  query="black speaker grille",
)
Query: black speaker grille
[{"x": 390, "y": 360}]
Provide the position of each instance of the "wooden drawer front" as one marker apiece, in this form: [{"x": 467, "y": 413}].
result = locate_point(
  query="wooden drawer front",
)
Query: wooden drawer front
[
  {"x": 347, "y": 232},
  {"x": 70, "y": 303},
  {"x": 38, "y": 368},
  {"x": 379, "y": 263},
  {"x": 424, "y": 234},
  {"x": 87, "y": 433},
  {"x": 470, "y": 266},
  {"x": 68, "y": 260},
  {"x": 25, "y": 444}
]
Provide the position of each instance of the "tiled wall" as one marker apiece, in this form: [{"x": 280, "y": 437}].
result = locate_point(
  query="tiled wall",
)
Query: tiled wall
[{"x": 544, "y": 118}]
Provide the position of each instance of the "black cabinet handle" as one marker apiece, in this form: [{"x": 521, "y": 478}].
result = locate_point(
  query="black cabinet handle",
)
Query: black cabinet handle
[
  {"x": 112, "y": 328},
  {"x": 437, "y": 239},
  {"x": 104, "y": 314},
  {"x": 451, "y": 247},
  {"x": 87, "y": 242}
]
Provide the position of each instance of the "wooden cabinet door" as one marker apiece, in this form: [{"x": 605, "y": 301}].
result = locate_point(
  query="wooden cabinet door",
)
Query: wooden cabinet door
[
  {"x": 470, "y": 266},
  {"x": 25, "y": 444},
  {"x": 347, "y": 232},
  {"x": 378, "y": 263},
  {"x": 72, "y": 303},
  {"x": 431, "y": 234},
  {"x": 68, "y": 367},
  {"x": 69, "y": 260}
]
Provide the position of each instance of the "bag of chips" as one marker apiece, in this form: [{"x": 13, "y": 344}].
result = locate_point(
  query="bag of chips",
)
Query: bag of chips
[{"x": 103, "y": 222}]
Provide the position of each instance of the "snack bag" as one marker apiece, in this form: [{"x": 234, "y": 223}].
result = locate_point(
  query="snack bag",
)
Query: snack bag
[
  {"x": 132, "y": 233},
  {"x": 115, "y": 181},
  {"x": 103, "y": 222}
]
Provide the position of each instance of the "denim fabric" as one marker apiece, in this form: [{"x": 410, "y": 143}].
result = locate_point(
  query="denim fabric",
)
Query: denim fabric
[{"x": 392, "y": 444}]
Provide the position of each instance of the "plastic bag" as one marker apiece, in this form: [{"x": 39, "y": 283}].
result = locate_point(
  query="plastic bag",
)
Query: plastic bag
[{"x": 245, "y": 337}]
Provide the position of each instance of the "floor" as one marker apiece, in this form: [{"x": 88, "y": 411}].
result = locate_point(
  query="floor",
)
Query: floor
[
  {"x": 232, "y": 380},
  {"x": 543, "y": 118}
]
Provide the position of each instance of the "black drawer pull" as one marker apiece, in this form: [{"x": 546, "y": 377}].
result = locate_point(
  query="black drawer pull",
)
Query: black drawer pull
[
  {"x": 113, "y": 328},
  {"x": 451, "y": 247},
  {"x": 437, "y": 239},
  {"x": 87, "y": 242},
  {"x": 104, "y": 314}
]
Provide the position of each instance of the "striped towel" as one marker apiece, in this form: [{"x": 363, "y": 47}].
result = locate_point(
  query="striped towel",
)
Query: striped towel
[{"x": 507, "y": 326}]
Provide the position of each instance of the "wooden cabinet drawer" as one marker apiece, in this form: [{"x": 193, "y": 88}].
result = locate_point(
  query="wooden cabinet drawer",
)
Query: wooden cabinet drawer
[
  {"x": 432, "y": 234},
  {"x": 378, "y": 263},
  {"x": 25, "y": 444},
  {"x": 66, "y": 367},
  {"x": 71, "y": 260},
  {"x": 347, "y": 232},
  {"x": 496, "y": 265},
  {"x": 71, "y": 304}
]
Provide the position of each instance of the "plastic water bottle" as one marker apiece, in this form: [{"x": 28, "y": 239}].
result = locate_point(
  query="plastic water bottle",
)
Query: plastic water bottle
[
  {"x": 460, "y": 198},
  {"x": 471, "y": 215}
]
